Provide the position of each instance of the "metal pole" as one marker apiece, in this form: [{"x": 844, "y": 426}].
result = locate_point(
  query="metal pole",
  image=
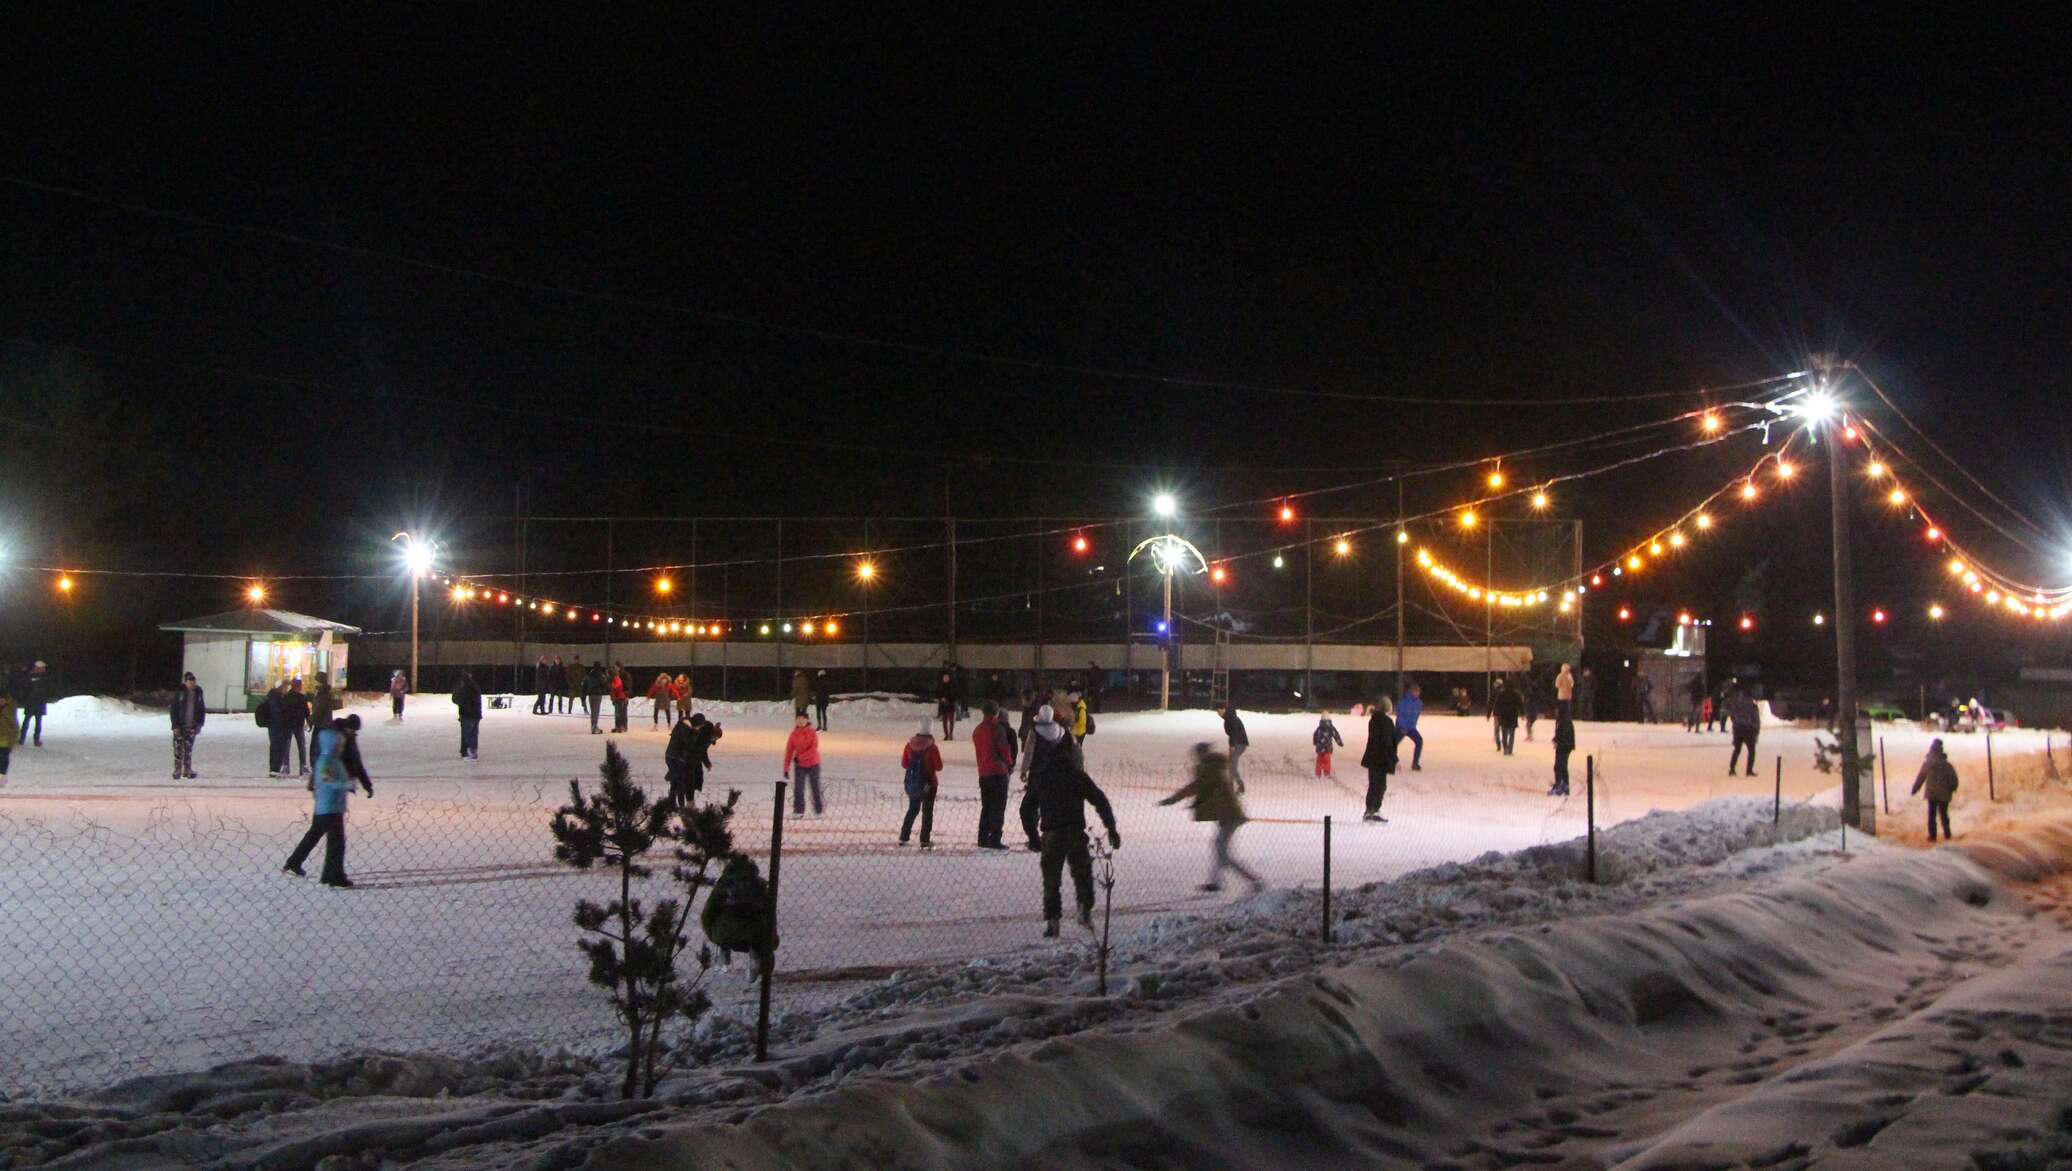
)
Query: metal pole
[
  {"x": 518, "y": 612},
  {"x": 781, "y": 692},
  {"x": 1327, "y": 878},
  {"x": 1165, "y": 670},
  {"x": 1990, "y": 794},
  {"x": 762, "y": 1012},
  {"x": 866, "y": 610},
  {"x": 1884, "y": 779},
  {"x": 951, "y": 522},
  {"x": 1590, "y": 811},
  {"x": 414, "y": 576},
  {"x": 1402, "y": 611},
  {"x": 1309, "y": 630},
  {"x": 1041, "y": 547},
  {"x": 1845, "y": 627},
  {"x": 608, "y": 575},
  {"x": 1777, "y": 801},
  {"x": 1489, "y": 614}
]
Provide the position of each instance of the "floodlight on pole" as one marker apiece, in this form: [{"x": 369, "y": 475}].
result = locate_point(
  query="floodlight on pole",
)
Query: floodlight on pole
[
  {"x": 1169, "y": 553},
  {"x": 1164, "y": 505},
  {"x": 417, "y": 560}
]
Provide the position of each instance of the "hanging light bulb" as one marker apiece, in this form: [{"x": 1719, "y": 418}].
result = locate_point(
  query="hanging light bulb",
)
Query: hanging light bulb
[
  {"x": 1748, "y": 490},
  {"x": 1468, "y": 518},
  {"x": 1343, "y": 547},
  {"x": 1896, "y": 497},
  {"x": 1874, "y": 469},
  {"x": 1785, "y": 470},
  {"x": 1496, "y": 478},
  {"x": 1710, "y": 423},
  {"x": 1540, "y": 500}
]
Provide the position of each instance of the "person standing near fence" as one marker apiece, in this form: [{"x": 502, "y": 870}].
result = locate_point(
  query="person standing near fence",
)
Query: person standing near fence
[
  {"x": 822, "y": 693},
  {"x": 542, "y": 671},
  {"x": 467, "y": 700},
  {"x": 946, "y": 701},
  {"x": 621, "y": 696},
  {"x": 271, "y": 716},
  {"x": 593, "y": 695},
  {"x": 1406, "y": 724},
  {"x": 688, "y": 755},
  {"x": 1505, "y": 711},
  {"x": 802, "y": 748},
  {"x": 1564, "y": 744},
  {"x": 572, "y": 685},
  {"x": 922, "y": 761},
  {"x": 295, "y": 712},
  {"x": 993, "y": 743},
  {"x": 1234, "y": 732},
  {"x": 1939, "y": 778},
  {"x": 1748, "y": 725},
  {"x": 1379, "y": 757},
  {"x": 681, "y": 692},
  {"x": 1215, "y": 800},
  {"x": 331, "y": 782},
  {"x": 1325, "y": 736},
  {"x": 1062, "y": 791},
  {"x": 189, "y": 712}
]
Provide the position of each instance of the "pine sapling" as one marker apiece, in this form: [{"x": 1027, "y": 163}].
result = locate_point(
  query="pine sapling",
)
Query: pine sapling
[
  {"x": 1104, "y": 877},
  {"x": 634, "y": 950}
]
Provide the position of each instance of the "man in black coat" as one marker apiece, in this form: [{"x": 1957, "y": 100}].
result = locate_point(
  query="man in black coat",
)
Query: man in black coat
[
  {"x": 467, "y": 699},
  {"x": 189, "y": 713},
  {"x": 1062, "y": 790},
  {"x": 542, "y": 671},
  {"x": 1379, "y": 757},
  {"x": 1506, "y": 710},
  {"x": 1234, "y": 732},
  {"x": 294, "y": 713},
  {"x": 32, "y": 695}
]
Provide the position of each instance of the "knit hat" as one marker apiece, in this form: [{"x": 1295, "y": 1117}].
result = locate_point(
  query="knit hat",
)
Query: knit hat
[
  {"x": 925, "y": 730},
  {"x": 1044, "y": 715}
]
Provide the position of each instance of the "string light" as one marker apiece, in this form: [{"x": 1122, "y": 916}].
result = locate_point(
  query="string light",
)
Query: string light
[
  {"x": 1279, "y": 562},
  {"x": 1897, "y": 496},
  {"x": 1935, "y": 610},
  {"x": 1875, "y": 469},
  {"x": 1540, "y": 501},
  {"x": 1343, "y": 547},
  {"x": 1878, "y": 616},
  {"x": 1402, "y": 537},
  {"x": 866, "y": 570},
  {"x": 1287, "y": 512},
  {"x": 1819, "y": 619},
  {"x": 256, "y": 592},
  {"x": 1710, "y": 423},
  {"x": 829, "y": 627},
  {"x": 1468, "y": 518},
  {"x": 1785, "y": 470},
  {"x": 1633, "y": 562},
  {"x": 1702, "y": 521},
  {"x": 1080, "y": 544},
  {"x": 1496, "y": 478},
  {"x": 663, "y": 585},
  {"x": 1748, "y": 490},
  {"x": 1747, "y": 623},
  {"x": 1676, "y": 540},
  {"x": 1655, "y": 548}
]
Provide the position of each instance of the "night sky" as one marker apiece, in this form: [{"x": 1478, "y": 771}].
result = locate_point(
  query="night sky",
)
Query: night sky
[{"x": 276, "y": 288}]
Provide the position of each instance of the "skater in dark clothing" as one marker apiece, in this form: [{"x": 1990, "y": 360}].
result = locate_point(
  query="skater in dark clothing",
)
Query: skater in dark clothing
[
  {"x": 542, "y": 673},
  {"x": 922, "y": 761},
  {"x": 993, "y": 743},
  {"x": 1938, "y": 779},
  {"x": 593, "y": 695},
  {"x": 323, "y": 703},
  {"x": 294, "y": 711},
  {"x": 1644, "y": 694},
  {"x": 1748, "y": 725},
  {"x": 1696, "y": 691},
  {"x": 10, "y": 732},
  {"x": 1216, "y": 800},
  {"x": 1407, "y": 714},
  {"x": 947, "y": 699},
  {"x": 1234, "y": 733},
  {"x": 467, "y": 700},
  {"x": 1509, "y": 704},
  {"x": 1564, "y": 744},
  {"x": 801, "y": 693},
  {"x": 33, "y": 698},
  {"x": 558, "y": 689},
  {"x": 270, "y": 714},
  {"x": 189, "y": 712},
  {"x": 689, "y": 755},
  {"x": 1062, "y": 790},
  {"x": 822, "y": 693},
  {"x": 1047, "y": 739},
  {"x": 1379, "y": 758},
  {"x": 1586, "y": 695}
]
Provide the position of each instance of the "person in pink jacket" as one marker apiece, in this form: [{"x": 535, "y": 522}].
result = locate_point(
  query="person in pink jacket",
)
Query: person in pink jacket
[
  {"x": 803, "y": 749},
  {"x": 662, "y": 695}
]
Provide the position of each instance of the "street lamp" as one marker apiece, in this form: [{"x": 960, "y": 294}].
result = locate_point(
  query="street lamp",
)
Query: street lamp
[
  {"x": 1169, "y": 553},
  {"x": 417, "y": 561},
  {"x": 866, "y": 573}
]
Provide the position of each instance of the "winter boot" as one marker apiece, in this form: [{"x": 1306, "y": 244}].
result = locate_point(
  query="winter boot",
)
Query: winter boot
[
  {"x": 1050, "y": 929},
  {"x": 1209, "y": 888},
  {"x": 1086, "y": 918}
]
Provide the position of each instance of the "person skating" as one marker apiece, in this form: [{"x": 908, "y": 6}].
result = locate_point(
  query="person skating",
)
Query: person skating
[
  {"x": 946, "y": 701},
  {"x": 10, "y": 732},
  {"x": 1695, "y": 690},
  {"x": 398, "y": 687},
  {"x": 1379, "y": 757},
  {"x": 688, "y": 755},
  {"x": 1407, "y": 713},
  {"x": 993, "y": 744},
  {"x": 1644, "y": 692},
  {"x": 270, "y": 716},
  {"x": 1323, "y": 739},
  {"x": 1082, "y": 719},
  {"x": 34, "y": 702},
  {"x": 1234, "y": 734},
  {"x": 189, "y": 712},
  {"x": 801, "y": 693},
  {"x": 542, "y": 671},
  {"x": 823, "y": 693},
  {"x": 323, "y": 703},
  {"x": 1586, "y": 695},
  {"x": 1748, "y": 725},
  {"x": 621, "y": 696},
  {"x": 922, "y": 761},
  {"x": 682, "y": 693},
  {"x": 802, "y": 748},
  {"x": 295, "y": 712},
  {"x": 593, "y": 695},
  {"x": 1529, "y": 700},
  {"x": 467, "y": 700},
  {"x": 1939, "y": 779},
  {"x": 1462, "y": 707},
  {"x": 1564, "y": 744},
  {"x": 1505, "y": 711},
  {"x": 572, "y": 685},
  {"x": 1047, "y": 739},
  {"x": 332, "y": 782},
  {"x": 1061, "y": 791},
  {"x": 1214, "y": 799},
  {"x": 661, "y": 697},
  {"x": 1564, "y": 692},
  {"x": 557, "y": 687}
]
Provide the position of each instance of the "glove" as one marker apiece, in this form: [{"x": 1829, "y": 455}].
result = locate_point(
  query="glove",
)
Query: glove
[
  {"x": 1114, "y": 839},
  {"x": 369, "y": 788}
]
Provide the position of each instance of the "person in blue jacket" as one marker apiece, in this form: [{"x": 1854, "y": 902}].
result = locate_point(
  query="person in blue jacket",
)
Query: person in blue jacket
[
  {"x": 332, "y": 781},
  {"x": 1407, "y": 711}
]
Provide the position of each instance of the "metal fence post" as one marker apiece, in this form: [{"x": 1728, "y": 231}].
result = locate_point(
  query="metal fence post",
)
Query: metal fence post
[
  {"x": 1590, "y": 812},
  {"x": 1327, "y": 878},
  {"x": 762, "y": 1012},
  {"x": 1777, "y": 802},
  {"x": 1991, "y": 796},
  {"x": 1884, "y": 778}
]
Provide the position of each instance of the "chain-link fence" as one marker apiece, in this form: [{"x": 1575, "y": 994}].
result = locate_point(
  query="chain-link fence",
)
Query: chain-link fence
[{"x": 140, "y": 942}]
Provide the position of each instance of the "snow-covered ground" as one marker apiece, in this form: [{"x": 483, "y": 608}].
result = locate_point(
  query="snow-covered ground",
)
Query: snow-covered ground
[
  {"x": 1734, "y": 995},
  {"x": 146, "y": 927}
]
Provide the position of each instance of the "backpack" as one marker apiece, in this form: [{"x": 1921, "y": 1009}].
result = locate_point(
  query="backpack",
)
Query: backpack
[
  {"x": 917, "y": 778},
  {"x": 262, "y": 716},
  {"x": 738, "y": 915},
  {"x": 1089, "y": 723}
]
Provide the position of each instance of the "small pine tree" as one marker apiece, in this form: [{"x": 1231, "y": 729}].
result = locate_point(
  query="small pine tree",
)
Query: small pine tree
[{"x": 634, "y": 950}]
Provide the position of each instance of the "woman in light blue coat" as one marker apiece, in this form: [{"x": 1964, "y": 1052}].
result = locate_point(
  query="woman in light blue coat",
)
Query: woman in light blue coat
[{"x": 332, "y": 782}]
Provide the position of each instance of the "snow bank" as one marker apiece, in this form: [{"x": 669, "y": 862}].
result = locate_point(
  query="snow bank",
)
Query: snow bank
[{"x": 1370, "y": 1065}]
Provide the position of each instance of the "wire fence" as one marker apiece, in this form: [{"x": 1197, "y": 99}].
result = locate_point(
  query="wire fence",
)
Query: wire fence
[{"x": 167, "y": 937}]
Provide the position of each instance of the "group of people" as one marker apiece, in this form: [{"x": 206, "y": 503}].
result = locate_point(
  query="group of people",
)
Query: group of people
[{"x": 288, "y": 714}]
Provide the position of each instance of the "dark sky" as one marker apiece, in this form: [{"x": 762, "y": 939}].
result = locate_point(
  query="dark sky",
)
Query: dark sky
[{"x": 686, "y": 221}]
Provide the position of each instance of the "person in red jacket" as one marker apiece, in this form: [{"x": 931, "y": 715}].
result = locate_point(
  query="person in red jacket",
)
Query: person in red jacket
[
  {"x": 922, "y": 760},
  {"x": 618, "y": 694},
  {"x": 803, "y": 749},
  {"x": 661, "y": 697},
  {"x": 995, "y": 744}
]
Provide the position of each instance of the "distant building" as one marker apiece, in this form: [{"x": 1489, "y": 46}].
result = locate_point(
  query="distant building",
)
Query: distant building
[{"x": 239, "y": 655}]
